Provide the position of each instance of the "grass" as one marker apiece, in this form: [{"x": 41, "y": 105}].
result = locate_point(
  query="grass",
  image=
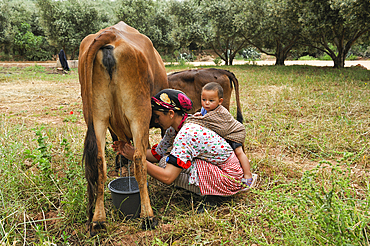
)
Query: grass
[
  {"x": 307, "y": 138},
  {"x": 325, "y": 57}
]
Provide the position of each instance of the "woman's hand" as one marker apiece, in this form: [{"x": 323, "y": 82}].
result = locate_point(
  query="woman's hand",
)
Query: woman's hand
[{"x": 123, "y": 148}]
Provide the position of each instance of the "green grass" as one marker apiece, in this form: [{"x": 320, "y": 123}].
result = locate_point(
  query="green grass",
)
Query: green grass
[
  {"x": 326, "y": 57},
  {"x": 307, "y": 138}
]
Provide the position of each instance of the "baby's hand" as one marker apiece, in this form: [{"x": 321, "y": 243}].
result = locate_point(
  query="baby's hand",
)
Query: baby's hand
[{"x": 197, "y": 114}]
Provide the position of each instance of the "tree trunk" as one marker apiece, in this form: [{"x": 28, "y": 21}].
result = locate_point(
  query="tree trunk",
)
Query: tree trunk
[
  {"x": 232, "y": 56},
  {"x": 339, "y": 61},
  {"x": 341, "y": 57},
  {"x": 280, "y": 54},
  {"x": 65, "y": 51},
  {"x": 280, "y": 59},
  {"x": 226, "y": 58},
  {"x": 74, "y": 53}
]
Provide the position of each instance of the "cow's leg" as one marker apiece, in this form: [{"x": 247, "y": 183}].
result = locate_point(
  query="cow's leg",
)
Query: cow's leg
[
  {"x": 101, "y": 98},
  {"x": 99, "y": 213},
  {"x": 140, "y": 138}
]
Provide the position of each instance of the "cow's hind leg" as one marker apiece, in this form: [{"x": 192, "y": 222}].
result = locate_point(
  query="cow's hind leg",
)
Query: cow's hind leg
[
  {"x": 101, "y": 122},
  {"x": 99, "y": 217},
  {"x": 140, "y": 137}
]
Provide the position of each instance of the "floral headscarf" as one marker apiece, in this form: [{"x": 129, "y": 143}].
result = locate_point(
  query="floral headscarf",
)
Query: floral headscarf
[{"x": 171, "y": 99}]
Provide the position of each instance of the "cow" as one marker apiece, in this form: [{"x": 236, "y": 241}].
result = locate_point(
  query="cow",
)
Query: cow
[
  {"x": 192, "y": 81},
  {"x": 119, "y": 70}
]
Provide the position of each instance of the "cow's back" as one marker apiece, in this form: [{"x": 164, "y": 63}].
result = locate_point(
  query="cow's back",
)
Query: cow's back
[
  {"x": 192, "y": 81},
  {"x": 135, "y": 54}
]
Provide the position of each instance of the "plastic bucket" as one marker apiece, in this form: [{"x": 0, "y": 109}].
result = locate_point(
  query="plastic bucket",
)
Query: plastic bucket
[{"x": 125, "y": 199}]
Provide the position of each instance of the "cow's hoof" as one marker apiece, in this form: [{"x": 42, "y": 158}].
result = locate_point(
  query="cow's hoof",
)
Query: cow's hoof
[
  {"x": 149, "y": 223},
  {"x": 95, "y": 227}
]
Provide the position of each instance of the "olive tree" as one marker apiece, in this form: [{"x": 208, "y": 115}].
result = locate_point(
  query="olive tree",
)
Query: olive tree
[
  {"x": 271, "y": 26},
  {"x": 225, "y": 35},
  {"x": 334, "y": 23},
  {"x": 12, "y": 15},
  {"x": 190, "y": 28},
  {"x": 66, "y": 23},
  {"x": 149, "y": 18},
  {"x": 4, "y": 24},
  {"x": 30, "y": 46}
]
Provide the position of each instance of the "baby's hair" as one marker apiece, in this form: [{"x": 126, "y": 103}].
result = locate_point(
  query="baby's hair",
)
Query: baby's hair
[{"x": 213, "y": 86}]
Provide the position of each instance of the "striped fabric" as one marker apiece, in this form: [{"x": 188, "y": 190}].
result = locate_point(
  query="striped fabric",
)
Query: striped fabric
[{"x": 222, "y": 179}]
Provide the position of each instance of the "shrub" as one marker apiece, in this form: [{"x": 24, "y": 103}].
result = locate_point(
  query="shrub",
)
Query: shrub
[
  {"x": 351, "y": 57},
  {"x": 217, "y": 61},
  {"x": 29, "y": 46},
  {"x": 250, "y": 53},
  {"x": 325, "y": 57},
  {"x": 307, "y": 57}
]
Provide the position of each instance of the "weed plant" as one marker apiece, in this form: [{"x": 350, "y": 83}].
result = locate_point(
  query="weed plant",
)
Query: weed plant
[{"x": 307, "y": 138}]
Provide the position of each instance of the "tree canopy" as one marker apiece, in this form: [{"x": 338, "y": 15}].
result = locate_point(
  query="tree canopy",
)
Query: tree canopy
[
  {"x": 271, "y": 26},
  {"x": 274, "y": 27},
  {"x": 337, "y": 22},
  {"x": 190, "y": 27},
  {"x": 66, "y": 23},
  {"x": 148, "y": 17},
  {"x": 225, "y": 37}
]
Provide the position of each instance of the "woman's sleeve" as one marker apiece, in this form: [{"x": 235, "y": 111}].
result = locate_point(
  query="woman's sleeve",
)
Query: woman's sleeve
[{"x": 160, "y": 149}]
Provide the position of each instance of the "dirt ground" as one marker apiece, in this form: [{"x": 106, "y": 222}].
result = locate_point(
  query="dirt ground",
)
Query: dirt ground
[
  {"x": 362, "y": 63},
  {"x": 207, "y": 57}
]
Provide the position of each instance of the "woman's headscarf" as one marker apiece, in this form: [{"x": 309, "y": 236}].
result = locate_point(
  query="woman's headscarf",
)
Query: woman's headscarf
[{"x": 171, "y": 99}]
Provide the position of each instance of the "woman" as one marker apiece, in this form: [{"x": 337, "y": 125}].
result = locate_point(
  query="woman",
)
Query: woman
[{"x": 189, "y": 155}]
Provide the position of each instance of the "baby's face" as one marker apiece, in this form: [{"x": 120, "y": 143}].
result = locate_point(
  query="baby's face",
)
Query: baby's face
[{"x": 210, "y": 100}]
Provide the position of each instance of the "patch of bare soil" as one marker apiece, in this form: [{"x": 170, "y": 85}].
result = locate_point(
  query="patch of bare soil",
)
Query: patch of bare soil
[
  {"x": 20, "y": 64},
  {"x": 40, "y": 100}
]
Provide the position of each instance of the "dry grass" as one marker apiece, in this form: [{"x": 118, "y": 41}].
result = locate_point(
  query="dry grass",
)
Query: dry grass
[{"x": 307, "y": 137}]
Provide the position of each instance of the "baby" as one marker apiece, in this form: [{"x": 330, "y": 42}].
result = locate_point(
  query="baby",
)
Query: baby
[{"x": 211, "y": 98}]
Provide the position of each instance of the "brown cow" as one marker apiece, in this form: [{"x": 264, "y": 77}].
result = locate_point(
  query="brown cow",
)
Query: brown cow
[
  {"x": 119, "y": 71},
  {"x": 192, "y": 81}
]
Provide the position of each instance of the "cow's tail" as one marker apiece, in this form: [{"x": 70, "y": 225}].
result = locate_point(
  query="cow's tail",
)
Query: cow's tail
[
  {"x": 90, "y": 158},
  {"x": 90, "y": 154},
  {"x": 234, "y": 80}
]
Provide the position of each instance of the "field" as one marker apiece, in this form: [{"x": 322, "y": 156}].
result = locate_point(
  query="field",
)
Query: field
[{"x": 308, "y": 138}]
